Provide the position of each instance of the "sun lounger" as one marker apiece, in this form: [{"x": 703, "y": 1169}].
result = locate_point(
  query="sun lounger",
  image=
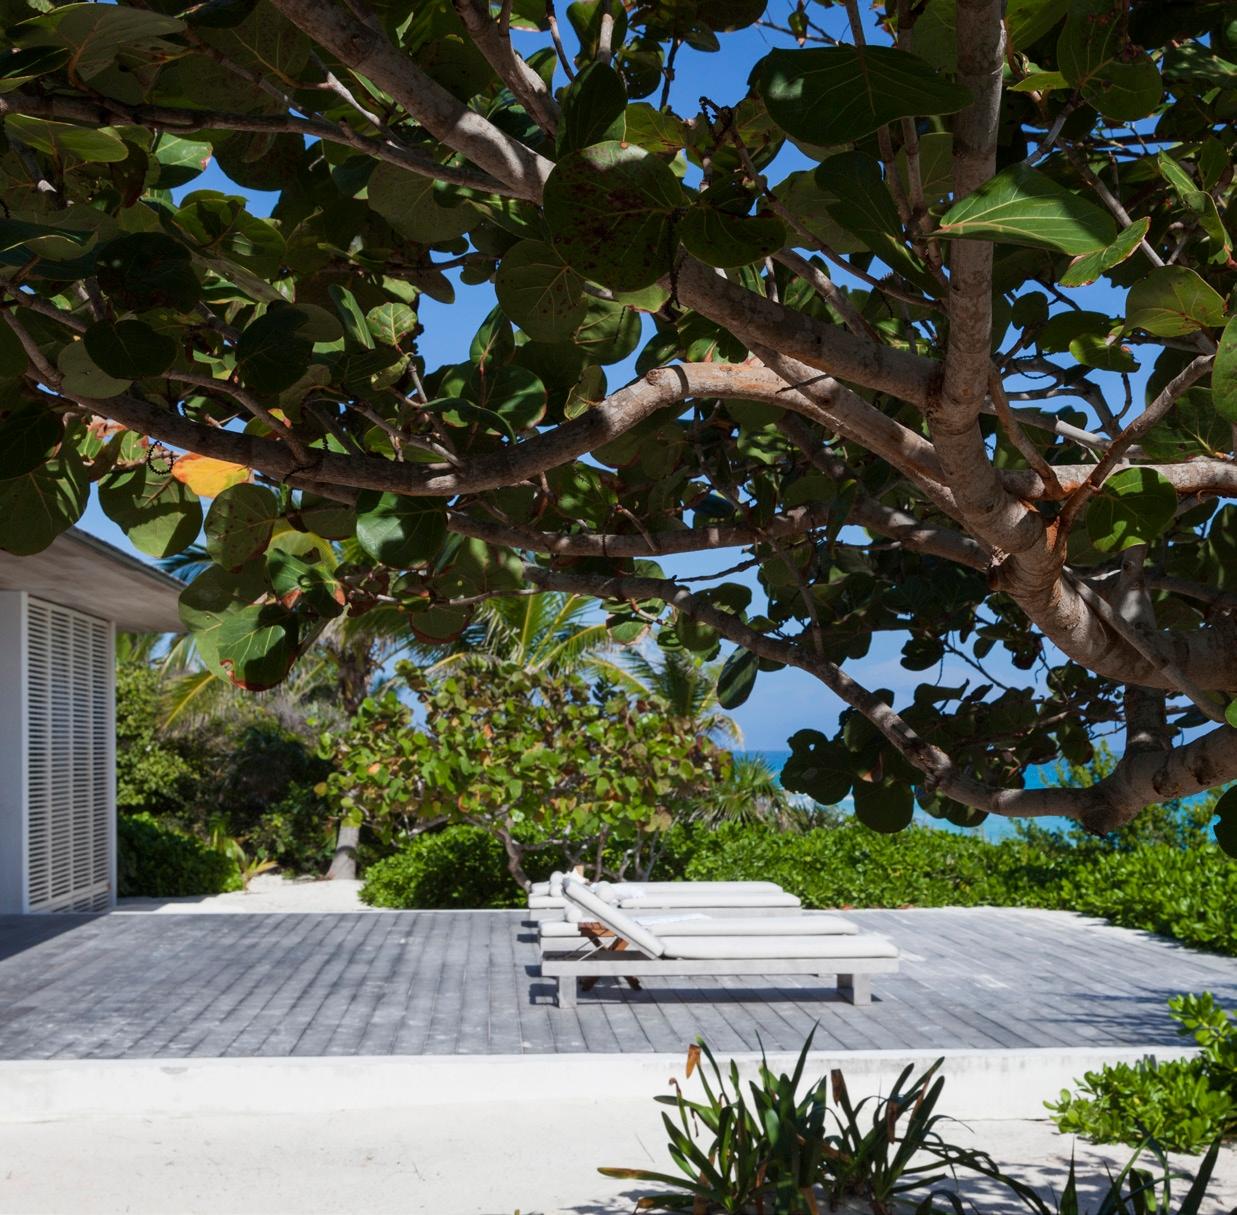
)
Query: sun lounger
[
  {"x": 638, "y": 952},
  {"x": 721, "y": 898},
  {"x": 572, "y": 934}
]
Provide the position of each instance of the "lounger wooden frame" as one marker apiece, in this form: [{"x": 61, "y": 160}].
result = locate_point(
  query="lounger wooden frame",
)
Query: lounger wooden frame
[{"x": 854, "y": 983}]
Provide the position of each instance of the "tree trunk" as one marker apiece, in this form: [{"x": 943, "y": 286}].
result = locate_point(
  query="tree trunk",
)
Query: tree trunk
[
  {"x": 515, "y": 858},
  {"x": 343, "y": 865}
]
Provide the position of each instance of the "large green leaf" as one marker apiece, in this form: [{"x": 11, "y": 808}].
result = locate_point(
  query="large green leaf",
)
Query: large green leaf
[
  {"x": 611, "y": 210},
  {"x": 1026, "y": 21},
  {"x": 818, "y": 767},
  {"x": 838, "y": 94},
  {"x": 719, "y": 238},
  {"x": 148, "y": 270},
  {"x": 1171, "y": 301},
  {"x": 62, "y": 139},
  {"x": 36, "y": 507},
  {"x": 863, "y": 206},
  {"x": 129, "y": 350},
  {"x": 737, "y": 679},
  {"x": 885, "y": 806},
  {"x": 97, "y": 34},
  {"x": 159, "y": 514},
  {"x": 1021, "y": 206},
  {"x": 239, "y": 524},
  {"x": 593, "y": 108},
  {"x": 1132, "y": 507},
  {"x": 1224, "y": 373},
  {"x": 1085, "y": 269},
  {"x": 212, "y": 596},
  {"x": 608, "y": 333},
  {"x": 29, "y": 433},
  {"x": 257, "y": 645},
  {"x": 1226, "y": 828},
  {"x": 272, "y": 354},
  {"x": 1095, "y": 55},
  {"x": 401, "y": 531},
  {"x": 409, "y": 204},
  {"x": 540, "y": 292},
  {"x": 81, "y": 375}
]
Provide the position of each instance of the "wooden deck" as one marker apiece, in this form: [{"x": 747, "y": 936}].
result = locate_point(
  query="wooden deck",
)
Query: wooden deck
[{"x": 410, "y": 983}]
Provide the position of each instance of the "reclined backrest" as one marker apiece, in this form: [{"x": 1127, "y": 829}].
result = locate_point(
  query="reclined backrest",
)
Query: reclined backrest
[{"x": 578, "y": 894}]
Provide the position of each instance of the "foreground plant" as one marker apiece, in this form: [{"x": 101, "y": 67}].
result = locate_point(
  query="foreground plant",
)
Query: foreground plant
[
  {"x": 779, "y": 1148},
  {"x": 1183, "y": 1104},
  {"x": 955, "y": 274},
  {"x": 766, "y": 1148}
]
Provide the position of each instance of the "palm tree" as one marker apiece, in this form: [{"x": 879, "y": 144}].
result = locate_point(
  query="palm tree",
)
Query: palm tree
[
  {"x": 547, "y": 631},
  {"x": 687, "y": 687}
]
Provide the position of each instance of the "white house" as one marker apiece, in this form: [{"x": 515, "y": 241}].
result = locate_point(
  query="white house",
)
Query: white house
[{"x": 59, "y": 611}]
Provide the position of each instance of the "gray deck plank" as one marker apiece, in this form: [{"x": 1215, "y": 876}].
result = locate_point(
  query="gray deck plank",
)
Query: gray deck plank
[{"x": 461, "y": 982}]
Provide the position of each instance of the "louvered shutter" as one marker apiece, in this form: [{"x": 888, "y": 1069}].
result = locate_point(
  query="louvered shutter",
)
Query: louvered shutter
[{"x": 69, "y": 839}]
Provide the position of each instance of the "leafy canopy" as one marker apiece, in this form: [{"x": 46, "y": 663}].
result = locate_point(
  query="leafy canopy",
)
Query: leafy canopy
[
  {"x": 533, "y": 757},
  {"x": 931, "y": 317}
]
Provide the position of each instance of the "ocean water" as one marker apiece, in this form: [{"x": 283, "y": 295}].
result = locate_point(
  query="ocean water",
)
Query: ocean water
[{"x": 994, "y": 827}]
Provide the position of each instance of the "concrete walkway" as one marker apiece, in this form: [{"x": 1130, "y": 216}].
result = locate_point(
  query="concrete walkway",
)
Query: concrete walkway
[
  {"x": 412, "y": 1062},
  {"x": 267, "y": 892},
  {"x": 490, "y": 1159}
]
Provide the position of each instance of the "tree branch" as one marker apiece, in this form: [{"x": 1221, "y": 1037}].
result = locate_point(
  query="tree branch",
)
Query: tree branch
[
  {"x": 366, "y": 51},
  {"x": 1140, "y": 778}
]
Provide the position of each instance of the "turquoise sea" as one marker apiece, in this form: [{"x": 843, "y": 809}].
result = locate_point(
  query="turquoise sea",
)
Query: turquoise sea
[{"x": 993, "y": 828}]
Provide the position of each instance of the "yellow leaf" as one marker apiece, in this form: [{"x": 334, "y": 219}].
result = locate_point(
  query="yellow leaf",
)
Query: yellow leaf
[{"x": 208, "y": 477}]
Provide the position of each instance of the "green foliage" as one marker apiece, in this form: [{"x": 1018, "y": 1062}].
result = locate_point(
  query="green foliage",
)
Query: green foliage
[
  {"x": 782, "y": 1144},
  {"x": 460, "y": 866},
  {"x": 153, "y": 772},
  {"x": 1183, "y": 1104},
  {"x": 779, "y": 1143},
  {"x": 1185, "y": 894},
  {"x": 150, "y": 324},
  {"x": 515, "y": 751},
  {"x": 155, "y": 861}
]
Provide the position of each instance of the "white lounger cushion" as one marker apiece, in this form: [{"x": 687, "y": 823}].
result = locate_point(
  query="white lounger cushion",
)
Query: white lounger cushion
[
  {"x": 704, "y": 899},
  {"x": 641, "y": 889},
  {"x": 579, "y": 894},
  {"x": 826, "y": 948},
  {"x": 704, "y": 925},
  {"x": 545, "y": 902}
]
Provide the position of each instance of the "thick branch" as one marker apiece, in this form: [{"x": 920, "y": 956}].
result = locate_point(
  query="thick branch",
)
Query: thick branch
[
  {"x": 528, "y": 88},
  {"x": 367, "y": 51},
  {"x": 105, "y": 112},
  {"x": 1139, "y": 779}
]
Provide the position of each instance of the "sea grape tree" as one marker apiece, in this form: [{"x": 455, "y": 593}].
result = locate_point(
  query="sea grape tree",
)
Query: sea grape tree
[
  {"x": 929, "y": 308},
  {"x": 539, "y": 759}
]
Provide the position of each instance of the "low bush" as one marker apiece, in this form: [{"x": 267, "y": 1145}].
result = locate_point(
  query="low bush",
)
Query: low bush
[
  {"x": 1183, "y": 1104},
  {"x": 1187, "y": 893},
  {"x": 158, "y": 862},
  {"x": 1183, "y": 892},
  {"x": 458, "y": 867}
]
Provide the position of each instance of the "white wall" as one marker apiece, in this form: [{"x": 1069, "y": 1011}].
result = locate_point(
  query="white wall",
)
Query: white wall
[{"x": 12, "y": 752}]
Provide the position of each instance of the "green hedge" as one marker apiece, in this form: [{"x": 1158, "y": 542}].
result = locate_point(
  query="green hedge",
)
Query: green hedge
[
  {"x": 458, "y": 867},
  {"x": 1181, "y": 892},
  {"x": 157, "y": 862}
]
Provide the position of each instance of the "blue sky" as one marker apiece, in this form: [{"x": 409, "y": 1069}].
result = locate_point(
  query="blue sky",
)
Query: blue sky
[{"x": 784, "y": 701}]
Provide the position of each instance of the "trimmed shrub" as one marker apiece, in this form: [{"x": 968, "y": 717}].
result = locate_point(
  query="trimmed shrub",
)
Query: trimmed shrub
[
  {"x": 1184, "y": 1104},
  {"x": 458, "y": 867},
  {"x": 1186, "y": 893},
  {"x": 155, "y": 861}
]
